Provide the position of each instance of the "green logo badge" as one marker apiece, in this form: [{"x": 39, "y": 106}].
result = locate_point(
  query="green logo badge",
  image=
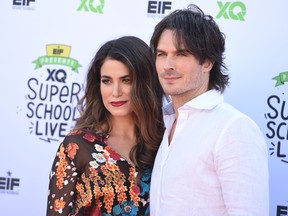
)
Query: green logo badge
[
  {"x": 88, "y": 5},
  {"x": 232, "y": 10},
  {"x": 57, "y": 54},
  {"x": 281, "y": 78}
]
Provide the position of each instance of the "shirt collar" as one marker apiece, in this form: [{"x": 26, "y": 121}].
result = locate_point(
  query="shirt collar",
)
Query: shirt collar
[
  {"x": 207, "y": 100},
  {"x": 168, "y": 109}
]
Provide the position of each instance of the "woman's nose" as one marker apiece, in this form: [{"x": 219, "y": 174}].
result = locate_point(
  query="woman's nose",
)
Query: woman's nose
[{"x": 117, "y": 90}]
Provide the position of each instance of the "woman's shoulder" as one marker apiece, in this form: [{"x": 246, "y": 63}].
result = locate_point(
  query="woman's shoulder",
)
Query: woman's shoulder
[
  {"x": 80, "y": 136},
  {"x": 79, "y": 144}
]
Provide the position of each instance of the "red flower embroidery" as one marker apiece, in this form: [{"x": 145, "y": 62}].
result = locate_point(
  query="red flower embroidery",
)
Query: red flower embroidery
[
  {"x": 92, "y": 211},
  {"x": 74, "y": 132},
  {"x": 136, "y": 189},
  {"x": 114, "y": 155},
  {"x": 89, "y": 137}
]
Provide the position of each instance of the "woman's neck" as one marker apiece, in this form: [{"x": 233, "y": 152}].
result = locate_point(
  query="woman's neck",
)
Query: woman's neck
[
  {"x": 123, "y": 126},
  {"x": 122, "y": 137}
]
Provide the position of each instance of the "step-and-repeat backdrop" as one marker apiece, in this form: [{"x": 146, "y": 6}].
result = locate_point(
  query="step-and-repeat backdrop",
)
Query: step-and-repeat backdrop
[{"x": 46, "y": 48}]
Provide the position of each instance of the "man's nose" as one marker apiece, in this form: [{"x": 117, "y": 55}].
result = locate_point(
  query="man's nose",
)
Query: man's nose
[{"x": 169, "y": 64}]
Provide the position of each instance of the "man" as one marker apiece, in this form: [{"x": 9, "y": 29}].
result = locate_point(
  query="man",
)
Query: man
[{"x": 213, "y": 159}]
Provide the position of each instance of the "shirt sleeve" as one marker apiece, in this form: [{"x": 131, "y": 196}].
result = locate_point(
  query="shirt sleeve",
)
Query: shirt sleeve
[
  {"x": 242, "y": 167},
  {"x": 63, "y": 178}
]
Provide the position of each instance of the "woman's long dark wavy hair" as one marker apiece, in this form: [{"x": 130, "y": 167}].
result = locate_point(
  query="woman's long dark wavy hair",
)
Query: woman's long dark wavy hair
[
  {"x": 146, "y": 97},
  {"x": 201, "y": 36}
]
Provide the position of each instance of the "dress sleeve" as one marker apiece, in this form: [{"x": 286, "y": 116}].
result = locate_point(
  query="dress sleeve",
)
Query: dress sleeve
[
  {"x": 242, "y": 168},
  {"x": 63, "y": 179}
]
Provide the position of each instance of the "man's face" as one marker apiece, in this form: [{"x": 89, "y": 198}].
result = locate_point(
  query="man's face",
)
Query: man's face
[{"x": 180, "y": 73}]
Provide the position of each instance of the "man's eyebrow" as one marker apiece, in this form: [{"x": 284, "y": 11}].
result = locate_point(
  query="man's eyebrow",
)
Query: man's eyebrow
[
  {"x": 178, "y": 51},
  {"x": 158, "y": 50},
  {"x": 182, "y": 50}
]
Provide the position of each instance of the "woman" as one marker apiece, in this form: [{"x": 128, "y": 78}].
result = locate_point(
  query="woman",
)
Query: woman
[{"x": 103, "y": 167}]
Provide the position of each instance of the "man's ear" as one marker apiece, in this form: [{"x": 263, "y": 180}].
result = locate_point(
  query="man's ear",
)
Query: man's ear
[{"x": 207, "y": 65}]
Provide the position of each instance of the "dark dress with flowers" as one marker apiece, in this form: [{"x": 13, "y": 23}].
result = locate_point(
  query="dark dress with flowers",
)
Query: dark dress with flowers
[{"x": 89, "y": 178}]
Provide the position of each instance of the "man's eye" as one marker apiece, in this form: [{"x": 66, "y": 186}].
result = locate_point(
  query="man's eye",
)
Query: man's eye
[
  {"x": 182, "y": 54},
  {"x": 159, "y": 54}
]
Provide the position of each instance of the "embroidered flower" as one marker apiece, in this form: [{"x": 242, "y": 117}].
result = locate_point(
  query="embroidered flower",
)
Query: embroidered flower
[
  {"x": 99, "y": 157},
  {"x": 106, "y": 183},
  {"x": 136, "y": 189},
  {"x": 61, "y": 168},
  {"x": 144, "y": 183},
  {"x": 111, "y": 167},
  {"x": 113, "y": 154},
  {"x": 126, "y": 209},
  {"x": 74, "y": 132},
  {"x": 71, "y": 150},
  {"x": 89, "y": 137},
  {"x": 94, "y": 164},
  {"x": 111, "y": 161},
  {"x": 99, "y": 148},
  {"x": 59, "y": 205}
]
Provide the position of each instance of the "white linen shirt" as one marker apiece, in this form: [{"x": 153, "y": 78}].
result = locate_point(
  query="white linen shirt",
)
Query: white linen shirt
[{"x": 215, "y": 165}]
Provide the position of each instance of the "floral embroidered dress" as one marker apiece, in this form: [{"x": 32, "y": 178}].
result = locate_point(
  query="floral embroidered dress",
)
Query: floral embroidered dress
[{"x": 90, "y": 178}]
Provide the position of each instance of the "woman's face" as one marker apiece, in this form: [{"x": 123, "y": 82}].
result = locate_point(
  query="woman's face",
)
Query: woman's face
[{"x": 115, "y": 87}]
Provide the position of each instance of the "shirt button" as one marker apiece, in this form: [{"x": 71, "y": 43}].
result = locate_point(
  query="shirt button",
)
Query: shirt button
[{"x": 127, "y": 209}]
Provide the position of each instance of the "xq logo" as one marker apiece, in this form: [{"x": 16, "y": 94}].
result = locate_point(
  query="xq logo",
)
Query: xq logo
[
  {"x": 88, "y": 5},
  {"x": 234, "y": 10}
]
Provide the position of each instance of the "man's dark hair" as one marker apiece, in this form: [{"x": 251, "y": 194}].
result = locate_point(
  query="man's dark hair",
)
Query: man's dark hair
[{"x": 201, "y": 36}]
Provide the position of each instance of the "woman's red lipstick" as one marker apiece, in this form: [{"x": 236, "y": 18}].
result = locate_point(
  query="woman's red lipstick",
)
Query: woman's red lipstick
[{"x": 117, "y": 103}]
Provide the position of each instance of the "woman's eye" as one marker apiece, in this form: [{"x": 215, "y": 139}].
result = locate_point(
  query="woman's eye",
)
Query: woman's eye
[
  {"x": 105, "y": 81},
  {"x": 128, "y": 81}
]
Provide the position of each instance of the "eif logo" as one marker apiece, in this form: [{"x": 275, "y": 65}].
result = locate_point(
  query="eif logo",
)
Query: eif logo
[
  {"x": 24, "y": 4},
  {"x": 231, "y": 10},
  {"x": 91, "y": 6},
  {"x": 9, "y": 185},
  {"x": 281, "y": 210},
  {"x": 159, "y": 7}
]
